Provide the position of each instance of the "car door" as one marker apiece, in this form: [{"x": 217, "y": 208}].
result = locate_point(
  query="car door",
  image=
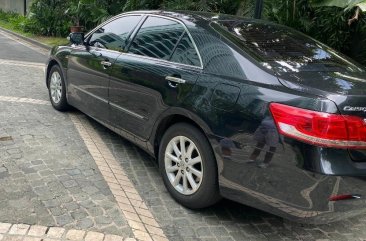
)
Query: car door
[
  {"x": 158, "y": 71},
  {"x": 90, "y": 66}
]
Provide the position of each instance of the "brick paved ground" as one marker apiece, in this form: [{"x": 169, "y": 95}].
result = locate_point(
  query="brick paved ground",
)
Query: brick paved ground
[
  {"x": 226, "y": 220},
  {"x": 47, "y": 175},
  {"x": 24, "y": 232},
  {"x": 50, "y": 176}
]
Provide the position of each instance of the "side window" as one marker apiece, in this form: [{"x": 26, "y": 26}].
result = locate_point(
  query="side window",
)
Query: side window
[
  {"x": 114, "y": 35},
  {"x": 185, "y": 53},
  {"x": 157, "y": 38}
]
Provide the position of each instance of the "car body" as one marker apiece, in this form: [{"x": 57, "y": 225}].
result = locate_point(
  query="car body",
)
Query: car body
[{"x": 245, "y": 85}]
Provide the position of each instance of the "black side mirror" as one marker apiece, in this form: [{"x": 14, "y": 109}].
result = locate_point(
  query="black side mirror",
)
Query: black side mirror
[{"x": 76, "y": 38}]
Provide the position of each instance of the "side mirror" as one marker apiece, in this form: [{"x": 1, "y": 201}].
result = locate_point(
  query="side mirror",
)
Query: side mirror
[{"x": 76, "y": 38}]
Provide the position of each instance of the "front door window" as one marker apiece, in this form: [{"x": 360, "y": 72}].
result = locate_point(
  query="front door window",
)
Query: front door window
[{"x": 113, "y": 36}]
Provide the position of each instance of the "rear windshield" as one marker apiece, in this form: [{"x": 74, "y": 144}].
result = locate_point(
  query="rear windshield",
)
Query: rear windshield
[{"x": 284, "y": 49}]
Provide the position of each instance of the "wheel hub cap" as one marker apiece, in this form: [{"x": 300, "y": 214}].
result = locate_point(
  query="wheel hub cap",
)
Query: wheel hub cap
[
  {"x": 183, "y": 165},
  {"x": 56, "y": 87}
]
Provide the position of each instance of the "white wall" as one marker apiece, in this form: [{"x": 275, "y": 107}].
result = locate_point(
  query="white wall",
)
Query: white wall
[{"x": 14, "y": 5}]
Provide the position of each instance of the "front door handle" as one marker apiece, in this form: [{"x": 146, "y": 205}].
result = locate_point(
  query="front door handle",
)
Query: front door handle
[
  {"x": 174, "y": 81},
  {"x": 106, "y": 64},
  {"x": 96, "y": 54}
]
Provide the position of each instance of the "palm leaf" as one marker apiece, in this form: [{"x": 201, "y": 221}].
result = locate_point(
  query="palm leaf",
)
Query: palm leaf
[{"x": 347, "y": 4}]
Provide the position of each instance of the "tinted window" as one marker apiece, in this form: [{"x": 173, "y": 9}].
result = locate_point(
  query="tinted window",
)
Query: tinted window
[
  {"x": 283, "y": 48},
  {"x": 114, "y": 35},
  {"x": 185, "y": 53},
  {"x": 157, "y": 38}
]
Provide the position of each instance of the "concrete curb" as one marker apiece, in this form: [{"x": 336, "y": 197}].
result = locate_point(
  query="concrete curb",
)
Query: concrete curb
[
  {"x": 27, "y": 232},
  {"x": 32, "y": 41}
]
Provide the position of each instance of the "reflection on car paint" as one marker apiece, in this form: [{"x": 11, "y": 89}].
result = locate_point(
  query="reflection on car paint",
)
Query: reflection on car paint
[{"x": 266, "y": 135}]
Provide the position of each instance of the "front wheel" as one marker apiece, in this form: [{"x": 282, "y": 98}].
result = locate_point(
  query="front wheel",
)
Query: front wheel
[
  {"x": 57, "y": 89},
  {"x": 188, "y": 166}
]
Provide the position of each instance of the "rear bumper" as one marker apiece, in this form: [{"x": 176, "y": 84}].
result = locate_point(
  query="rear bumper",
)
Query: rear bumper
[
  {"x": 319, "y": 210},
  {"x": 296, "y": 184}
]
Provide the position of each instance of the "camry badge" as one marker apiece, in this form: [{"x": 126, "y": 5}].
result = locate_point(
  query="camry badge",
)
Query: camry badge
[{"x": 354, "y": 108}]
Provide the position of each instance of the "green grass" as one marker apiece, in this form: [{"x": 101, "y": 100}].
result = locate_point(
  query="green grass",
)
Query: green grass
[{"x": 51, "y": 41}]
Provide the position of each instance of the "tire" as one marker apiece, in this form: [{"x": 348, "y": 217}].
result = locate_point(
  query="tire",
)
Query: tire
[
  {"x": 206, "y": 191},
  {"x": 57, "y": 89}
]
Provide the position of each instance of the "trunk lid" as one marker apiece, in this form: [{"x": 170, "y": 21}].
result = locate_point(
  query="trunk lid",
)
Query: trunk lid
[{"x": 346, "y": 89}]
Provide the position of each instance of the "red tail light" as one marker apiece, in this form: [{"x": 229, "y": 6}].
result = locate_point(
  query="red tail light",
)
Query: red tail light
[
  {"x": 319, "y": 128},
  {"x": 344, "y": 197}
]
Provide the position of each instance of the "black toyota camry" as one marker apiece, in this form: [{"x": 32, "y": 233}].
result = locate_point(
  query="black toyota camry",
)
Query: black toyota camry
[{"x": 230, "y": 107}]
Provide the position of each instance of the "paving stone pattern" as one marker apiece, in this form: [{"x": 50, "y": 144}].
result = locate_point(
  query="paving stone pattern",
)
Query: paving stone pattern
[
  {"x": 47, "y": 175},
  {"x": 137, "y": 214},
  {"x": 24, "y": 232},
  {"x": 225, "y": 221}
]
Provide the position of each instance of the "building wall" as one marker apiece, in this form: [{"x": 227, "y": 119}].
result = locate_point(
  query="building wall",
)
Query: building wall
[{"x": 14, "y": 5}]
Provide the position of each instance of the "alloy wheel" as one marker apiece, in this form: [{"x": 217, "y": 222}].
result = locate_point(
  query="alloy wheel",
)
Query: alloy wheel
[
  {"x": 56, "y": 87},
  {"x": 183, "y": 165}
]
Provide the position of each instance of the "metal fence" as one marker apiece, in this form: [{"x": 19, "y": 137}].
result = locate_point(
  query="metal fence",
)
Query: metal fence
[{"x": 17, "y": 6}]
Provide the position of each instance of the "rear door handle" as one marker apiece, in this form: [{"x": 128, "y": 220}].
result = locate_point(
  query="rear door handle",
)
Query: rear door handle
[
  {"x": 106, "y": 64},
  {"x": 175, "y": 80}
]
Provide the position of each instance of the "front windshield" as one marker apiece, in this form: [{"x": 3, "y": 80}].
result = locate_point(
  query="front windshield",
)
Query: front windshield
[{"x": 284, "y": 49}]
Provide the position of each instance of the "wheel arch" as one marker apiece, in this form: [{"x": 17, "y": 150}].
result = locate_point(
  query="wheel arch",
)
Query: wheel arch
[
  {"x": 174, "y": 116},
  {"x": 211, "y": 193},
  {"x": 52, "y": 62}
]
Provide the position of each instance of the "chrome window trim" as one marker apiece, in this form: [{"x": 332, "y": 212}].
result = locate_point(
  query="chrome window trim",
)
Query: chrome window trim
[
  {"x": 96, "y": 49},
  {"x": 139, "y": 26},
  {"x": 163, "y": 61},
  {"x": 186, "y": 30},
  {"x": 112, "y": 19}
]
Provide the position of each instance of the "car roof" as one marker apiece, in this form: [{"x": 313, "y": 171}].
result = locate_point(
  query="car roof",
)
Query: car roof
[
  {"x": 194, "y": 16},
  {"x": 178, "y": 14}
]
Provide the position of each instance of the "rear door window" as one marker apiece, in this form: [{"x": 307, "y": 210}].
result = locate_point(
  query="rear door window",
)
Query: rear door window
[
  {"x": 185, "y": 52},
  {"x": 157, "y": 38},
  {"x": 114, "y": 35}
]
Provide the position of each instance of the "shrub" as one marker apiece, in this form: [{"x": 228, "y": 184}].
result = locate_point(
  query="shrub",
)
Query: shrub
[
  {"x": 327, "y": 24},
  {"x": 46, "y": 17},
  {"x": 16, "y": 21}
]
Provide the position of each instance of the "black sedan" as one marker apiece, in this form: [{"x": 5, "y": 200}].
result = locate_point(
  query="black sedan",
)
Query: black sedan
[{"x": 237, "y": 108}]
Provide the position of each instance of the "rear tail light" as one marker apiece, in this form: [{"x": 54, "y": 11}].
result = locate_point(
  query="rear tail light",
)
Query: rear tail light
[
  {"x": 319, "y": 128},
  {"x": 344, "y": 197}
]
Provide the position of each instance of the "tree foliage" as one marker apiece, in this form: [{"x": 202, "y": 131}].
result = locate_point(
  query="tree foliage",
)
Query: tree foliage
[
  {"x": 47, "y": 18},
  {"x": 347, "y": 4},
  {"x": 325, "y": 20}
]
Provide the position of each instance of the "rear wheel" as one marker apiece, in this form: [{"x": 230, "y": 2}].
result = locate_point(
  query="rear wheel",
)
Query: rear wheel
[
  {"x": 57, "y": 89},
  {"x": 188, "y": 166}
]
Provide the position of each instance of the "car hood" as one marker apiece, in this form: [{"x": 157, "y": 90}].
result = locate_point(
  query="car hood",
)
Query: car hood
[{"x": 346, "y": 89}]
